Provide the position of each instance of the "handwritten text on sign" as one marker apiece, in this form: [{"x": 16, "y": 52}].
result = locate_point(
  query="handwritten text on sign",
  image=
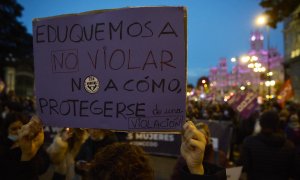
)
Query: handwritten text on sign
[{"x": 119, "y": 69}]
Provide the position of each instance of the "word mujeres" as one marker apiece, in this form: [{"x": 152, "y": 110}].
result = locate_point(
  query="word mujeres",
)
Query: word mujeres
[
  {"x": 151, "y": 136},
  {"x": 47, "y": 33}
]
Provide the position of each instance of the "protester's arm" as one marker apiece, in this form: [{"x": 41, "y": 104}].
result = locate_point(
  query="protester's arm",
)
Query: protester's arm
[
  {"x": 30, "y": 147},
  {"x": 192, "y": 150},
  {"x": 34, "y": 160},
  {"x": 193, "y": 147},
  {"x": 58, "y": 149}
]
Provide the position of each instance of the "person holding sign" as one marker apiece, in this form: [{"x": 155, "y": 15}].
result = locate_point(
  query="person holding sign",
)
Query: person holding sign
[
  {"x": 124, "y": 161},
  {"x": 21, "y": 152},
  {"x": 193, "y": 152}
]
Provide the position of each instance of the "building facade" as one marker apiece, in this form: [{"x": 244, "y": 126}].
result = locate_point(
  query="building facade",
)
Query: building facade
[
  {"x": 292, "y": 51},
  {"x": 17, "y": 75},
  {"x": 218, "y": 77},
  {"x": 249, "y": 71}
]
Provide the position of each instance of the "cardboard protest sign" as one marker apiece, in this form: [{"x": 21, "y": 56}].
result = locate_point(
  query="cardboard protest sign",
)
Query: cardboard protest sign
[
  {"x": 235, "y": 100},
  {"x": 121, "y": 69},
  {"x": 244, "y": 104},
  {"x": 248, "y": 105}
]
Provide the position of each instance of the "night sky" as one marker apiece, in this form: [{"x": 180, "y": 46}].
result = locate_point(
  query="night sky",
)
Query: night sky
[{"x": 216, "y": 29}]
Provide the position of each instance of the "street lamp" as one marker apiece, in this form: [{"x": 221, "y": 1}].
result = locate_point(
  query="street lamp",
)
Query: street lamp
[
  {"x": 233, "y": 59},
  {"x": 261, "y": 21},
  {"x": 245, "y": 58},
  {"x": 250, "y": 61}
]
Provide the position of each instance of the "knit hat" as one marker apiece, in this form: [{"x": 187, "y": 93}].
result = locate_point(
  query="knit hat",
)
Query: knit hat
[{"x": 269, "y": 120}]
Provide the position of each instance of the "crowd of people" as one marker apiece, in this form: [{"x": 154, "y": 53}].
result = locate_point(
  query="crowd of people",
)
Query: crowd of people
[
  {"x": 201, "y": 109},
  {"x": 268, "y": 143}
]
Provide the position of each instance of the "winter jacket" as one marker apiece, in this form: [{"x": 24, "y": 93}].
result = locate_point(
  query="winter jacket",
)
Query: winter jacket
[
  {"x": 211, "y": 172},
  {"x": 12, "y": 168},
  {"x": 269, "y": 156}
]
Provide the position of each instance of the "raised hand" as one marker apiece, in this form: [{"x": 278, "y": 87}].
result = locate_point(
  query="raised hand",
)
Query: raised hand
[
  {"x": 193, "y": 147},
  {"x": 30, "y": 147}
]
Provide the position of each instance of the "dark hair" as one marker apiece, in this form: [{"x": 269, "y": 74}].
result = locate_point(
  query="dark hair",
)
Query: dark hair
[
  {"x": 269, "y": 120},
  {"x": 11, "y": 118},
  {"x": 120, "y": 161}
]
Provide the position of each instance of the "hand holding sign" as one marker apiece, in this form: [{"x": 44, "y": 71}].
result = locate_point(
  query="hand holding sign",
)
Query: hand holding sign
[
  {"x": 30, "y": 138},
  {"x": 193, "y": 147}
]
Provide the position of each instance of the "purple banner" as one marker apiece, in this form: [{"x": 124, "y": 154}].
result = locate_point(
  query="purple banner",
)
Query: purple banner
[
  {"x": 157, "y": 143},
  {"x": 236, "y": 100},
  {"x": 121, "y": 69},
  {"x": 244, "y": 104},
  {"x": 248, "y": 105}
]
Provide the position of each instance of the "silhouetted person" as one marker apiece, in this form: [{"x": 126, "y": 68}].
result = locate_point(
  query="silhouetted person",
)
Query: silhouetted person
[{"x": 269, "y": 155}]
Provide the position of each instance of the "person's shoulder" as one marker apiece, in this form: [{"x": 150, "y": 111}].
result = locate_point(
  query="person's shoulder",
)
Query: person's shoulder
[
  {"x": 211, "y": 171},
  {"x": 289, "y": 144},
  {"x": 250, "y": 139}
]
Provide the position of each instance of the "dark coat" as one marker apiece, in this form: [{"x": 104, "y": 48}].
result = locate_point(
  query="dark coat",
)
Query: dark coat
[
  {"x": 269, "y": 156},
  {"x": 11, "y": 166},
  {"x": 211, "y": 172}
]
